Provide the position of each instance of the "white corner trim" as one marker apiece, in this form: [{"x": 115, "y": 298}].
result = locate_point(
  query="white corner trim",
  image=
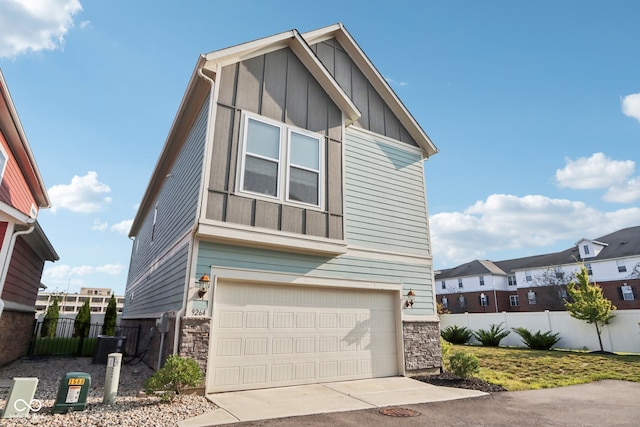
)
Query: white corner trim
[
  {"x": 263, "y": 276},
  {"x": 243, "y": 235}
]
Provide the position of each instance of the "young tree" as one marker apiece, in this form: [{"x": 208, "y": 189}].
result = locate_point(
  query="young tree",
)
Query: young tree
[
  {"x": 83, "y": 321},
  {"x": 50, "y": 323},
  {"x": 588, "y": 303},
  {"x": 109, "y": 325}
]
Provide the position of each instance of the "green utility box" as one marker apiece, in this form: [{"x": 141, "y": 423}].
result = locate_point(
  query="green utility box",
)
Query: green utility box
[{"x": 72, "y": 393}]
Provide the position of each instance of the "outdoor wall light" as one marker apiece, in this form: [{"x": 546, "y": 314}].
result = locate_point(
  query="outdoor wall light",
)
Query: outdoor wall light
[
  {"x": 203, "y": 285},
  {"x": 411, "y": 298}
]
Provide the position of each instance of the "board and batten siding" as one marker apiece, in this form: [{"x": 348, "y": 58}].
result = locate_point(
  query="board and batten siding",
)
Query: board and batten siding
[
  {"x": 275, "y": 85},
  {"x": 176, "y": 206},
  {"x": 384, "y": 196},
  {"x": 414, "y": 276},
  {"x": 376, "y": 114}
]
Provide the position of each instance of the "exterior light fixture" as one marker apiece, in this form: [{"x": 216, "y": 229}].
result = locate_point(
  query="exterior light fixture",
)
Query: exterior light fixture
[
  {"x": 203, "y": 285},
  {"x": 411, "y": 298}
]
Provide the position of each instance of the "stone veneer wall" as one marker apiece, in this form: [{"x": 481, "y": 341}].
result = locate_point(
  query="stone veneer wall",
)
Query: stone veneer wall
[
  {"x": 422, "y": 351},
  {"x": 194, "y": 339},
  {"x": 16, "y": 329}
]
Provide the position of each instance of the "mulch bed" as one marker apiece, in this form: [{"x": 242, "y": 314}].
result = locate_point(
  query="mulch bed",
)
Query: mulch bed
[{"x": 449, "y": 379}]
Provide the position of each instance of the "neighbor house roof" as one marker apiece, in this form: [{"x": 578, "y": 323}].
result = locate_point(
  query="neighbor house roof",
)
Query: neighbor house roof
[
  {"x": 619, "y": 244},
  {"x": 18, "y": 144}
]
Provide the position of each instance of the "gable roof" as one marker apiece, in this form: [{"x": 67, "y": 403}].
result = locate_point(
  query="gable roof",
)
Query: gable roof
[
  {"x": 13, "y": 132},
  {"x": 340, "y": 33},
  {"x": 297, "y": 44}
]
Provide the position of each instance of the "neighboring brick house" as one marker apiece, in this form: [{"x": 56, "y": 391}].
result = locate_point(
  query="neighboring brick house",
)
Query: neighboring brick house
[
  {"x": 539, "y": 282},
  {"x": 24, "y": 248},
  {"x": 292, "y": 184}
]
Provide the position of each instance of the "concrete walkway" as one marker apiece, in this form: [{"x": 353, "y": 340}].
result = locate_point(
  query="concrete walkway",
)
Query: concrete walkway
[{"x": 323, "y": 398}]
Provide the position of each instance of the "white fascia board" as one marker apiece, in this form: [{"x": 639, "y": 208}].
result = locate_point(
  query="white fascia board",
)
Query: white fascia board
[
  {"x": 242, "y": 235},
  {"x": 375, "y": 78}
]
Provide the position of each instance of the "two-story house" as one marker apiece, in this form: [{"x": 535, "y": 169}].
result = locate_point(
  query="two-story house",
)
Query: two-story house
[
  {"x": 283, "y": 238},
  {"x": 24, "y": 248},
  {"x": 539, "y": 282}
]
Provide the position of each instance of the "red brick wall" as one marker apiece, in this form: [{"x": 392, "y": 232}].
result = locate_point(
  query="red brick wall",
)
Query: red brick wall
[{"x": 15, "y": 335}]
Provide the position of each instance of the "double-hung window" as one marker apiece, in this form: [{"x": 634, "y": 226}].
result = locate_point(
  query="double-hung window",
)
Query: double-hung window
[{"x": 281, "y": 162}]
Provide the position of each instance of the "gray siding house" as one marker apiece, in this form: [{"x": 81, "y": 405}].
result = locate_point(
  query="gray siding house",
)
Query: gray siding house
[{"x": 283, "y": 238}]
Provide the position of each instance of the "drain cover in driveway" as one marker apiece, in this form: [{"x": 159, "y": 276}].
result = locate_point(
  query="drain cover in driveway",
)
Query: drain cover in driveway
[{"x": 399, "y": 412}]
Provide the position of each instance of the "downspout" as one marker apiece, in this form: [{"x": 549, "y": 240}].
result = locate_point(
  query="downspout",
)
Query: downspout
[
  {"x": 185, "y": 300},
  {"x": 5, "y": 266}
]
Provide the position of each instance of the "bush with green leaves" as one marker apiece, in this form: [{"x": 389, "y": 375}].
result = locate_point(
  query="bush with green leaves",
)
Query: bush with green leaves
[
  {"x": 176, "y": 374},
  {"x": 456, "y": 335},
  {"x": 539, "y": 340},
  {"x": 446, "y": 351},
  {"x": 464, "y": 364},
  {"x": 492, "y": 336},
  {"x": 50, "y": 323}
]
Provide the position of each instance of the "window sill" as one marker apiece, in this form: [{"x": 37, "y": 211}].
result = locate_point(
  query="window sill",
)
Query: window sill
[{"x": 256, "y": 237}]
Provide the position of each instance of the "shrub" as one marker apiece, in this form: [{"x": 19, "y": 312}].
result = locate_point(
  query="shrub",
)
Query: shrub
[
  {"x": 539, "y": 340},
  {"x": 446, "y": 351},
  {"x": 176, "y": 374},
  {"x": 464, "y": 364},
  {"x": 491, "y": 337},
  {"x": 456, "y": 335},
  {"x": 50, "y": 323}
]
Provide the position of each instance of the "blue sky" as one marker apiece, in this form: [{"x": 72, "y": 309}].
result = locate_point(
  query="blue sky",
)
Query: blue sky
[{"x": 535, "y": 107}]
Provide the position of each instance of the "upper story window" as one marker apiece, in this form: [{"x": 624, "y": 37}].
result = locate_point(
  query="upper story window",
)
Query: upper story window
[
  {"x": 588, "y": 267},
  {"x": 481, "y": 280},
  {"x": 281, "y": 162},
  {"x": 585, "y": 248},
  {"x": 622, "y": 268},
  {"x": 460, "y": 283},
  {"x": 559, "y": 274},
  {"x": 512, "y": 280},
  {"x": 527, "y": 276},
  {"x": 443, "y": 284}
]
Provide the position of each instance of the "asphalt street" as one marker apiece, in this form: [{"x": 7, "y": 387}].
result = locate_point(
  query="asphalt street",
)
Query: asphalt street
[{"x": 602, "y": 403}]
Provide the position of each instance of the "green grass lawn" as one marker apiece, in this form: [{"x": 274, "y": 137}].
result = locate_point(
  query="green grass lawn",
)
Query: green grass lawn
[{"x": 524, "y": 369}]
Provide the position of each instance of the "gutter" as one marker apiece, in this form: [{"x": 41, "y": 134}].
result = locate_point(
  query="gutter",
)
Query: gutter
[
  {"x": 31, "y": 223},
  {"x": 192, "y": 245}
]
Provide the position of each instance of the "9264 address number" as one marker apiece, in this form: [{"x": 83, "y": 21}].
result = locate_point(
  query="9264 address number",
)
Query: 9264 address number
[{"x": 195, "y": 312}]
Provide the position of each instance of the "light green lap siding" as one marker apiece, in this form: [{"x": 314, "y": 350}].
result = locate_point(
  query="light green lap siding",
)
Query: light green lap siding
[
  {"x": 384, "y": 196},
  {"x": 412, "y": 276}
]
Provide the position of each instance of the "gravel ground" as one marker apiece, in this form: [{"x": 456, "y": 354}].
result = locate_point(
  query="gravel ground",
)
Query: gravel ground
[{"x": 131, "y": 408}]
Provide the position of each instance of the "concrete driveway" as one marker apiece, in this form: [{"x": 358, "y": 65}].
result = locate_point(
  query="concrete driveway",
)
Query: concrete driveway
[
  {"x": 343, "y": 396},
  {"x": 602, "y": 403}
]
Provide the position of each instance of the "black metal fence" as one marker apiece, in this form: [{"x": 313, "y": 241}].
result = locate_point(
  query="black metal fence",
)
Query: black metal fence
[{"x": 61, "y": 338}]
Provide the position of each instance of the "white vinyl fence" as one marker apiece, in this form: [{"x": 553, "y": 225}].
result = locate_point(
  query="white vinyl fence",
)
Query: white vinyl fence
[{"x": 621, "y": 335}]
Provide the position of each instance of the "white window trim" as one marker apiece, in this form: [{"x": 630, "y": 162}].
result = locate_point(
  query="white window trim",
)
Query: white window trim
[
  {"x": 514, "y": 301},
  {"x": 629, "y": 292},
  {"x": 282, "y": 192}
]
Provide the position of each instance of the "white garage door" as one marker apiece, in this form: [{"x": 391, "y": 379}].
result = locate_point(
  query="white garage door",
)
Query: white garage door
[{"x": 271, "y": 336}]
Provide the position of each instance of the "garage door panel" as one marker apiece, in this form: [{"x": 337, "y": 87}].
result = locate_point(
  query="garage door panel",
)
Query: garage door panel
[{"x": 298, "y": 335}]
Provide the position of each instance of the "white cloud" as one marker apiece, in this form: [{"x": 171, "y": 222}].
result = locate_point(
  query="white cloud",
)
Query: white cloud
[
  {"x": 99, "y": 225},
  {"x": 122, "y": 227},
  {"x": 505, "y": 222},
  {"x": 35, "y": 25},
  {"x": 631, "y": 106},
  {"x": 626, "y": 192},
  {"x": 110, "y": 269},
  {"x": 84, "y": 194},
  {"x": 393, "y": 82},
  {"x": 597, "y": 171}
]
